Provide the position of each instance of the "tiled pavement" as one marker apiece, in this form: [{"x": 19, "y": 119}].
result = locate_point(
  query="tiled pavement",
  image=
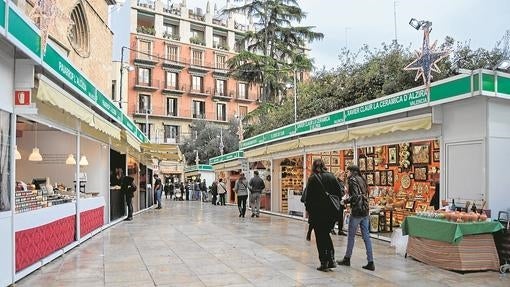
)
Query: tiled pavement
[{"x": 193, "y": 244}]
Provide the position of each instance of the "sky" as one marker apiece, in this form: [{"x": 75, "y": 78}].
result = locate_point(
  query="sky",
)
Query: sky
[{"x": 353, "y": 23}]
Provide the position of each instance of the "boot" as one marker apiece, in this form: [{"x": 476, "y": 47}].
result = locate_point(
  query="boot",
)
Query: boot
[
  {"x": 331, "y": 262},
  {"x": 323, "y": 267},
  {"x": 345, "y": 262},
  {"x": 370, "y": 266}
]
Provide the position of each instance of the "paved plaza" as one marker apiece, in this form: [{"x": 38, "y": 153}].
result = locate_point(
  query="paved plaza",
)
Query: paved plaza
[{"x": 193, "y": 244}]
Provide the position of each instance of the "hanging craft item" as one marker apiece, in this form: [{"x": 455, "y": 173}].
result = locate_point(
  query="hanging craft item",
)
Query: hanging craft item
[
  {"x": 428, "y": 57},
  {"x": 405, "y": 181},
  {"x": 404, "y": 155}
]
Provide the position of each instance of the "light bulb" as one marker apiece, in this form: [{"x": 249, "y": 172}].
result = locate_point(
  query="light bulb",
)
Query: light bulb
[
  {"x": 35, "y": 155},
  {"x": 70, "y": 159}
]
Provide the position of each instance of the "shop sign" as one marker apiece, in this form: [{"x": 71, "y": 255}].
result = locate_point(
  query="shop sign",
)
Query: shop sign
[
  {"x": 453, "y": 88},
  {"x": 390, "y": 104},
  {"x": 226, "y": 157},
  {"x": 24, "y": 33},
  {"x": 22, "y": 98},
  {"x": 321, "y": 122},
  {"x": 2, "y": 13},
  {"x": 198, "y": 167},
  {"x": 503, "y": 86}
]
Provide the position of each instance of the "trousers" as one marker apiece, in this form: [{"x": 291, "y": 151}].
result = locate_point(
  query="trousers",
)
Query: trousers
[
  {"x": 363, "y": 223},
  {"x": 255, "y": 202},
  {"x": 323, "y": 239},
  {"x": 241, "y": 204}
]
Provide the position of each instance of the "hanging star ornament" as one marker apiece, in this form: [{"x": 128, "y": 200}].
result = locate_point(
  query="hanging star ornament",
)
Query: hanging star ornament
[
  {"x": 45, "y": 14},
  {"x": 426, "y": 61}
]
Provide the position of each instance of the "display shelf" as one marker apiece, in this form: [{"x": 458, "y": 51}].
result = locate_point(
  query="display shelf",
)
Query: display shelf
[
  {"x": 291, "y": 180},
  {"x": 29, "y": 200}
]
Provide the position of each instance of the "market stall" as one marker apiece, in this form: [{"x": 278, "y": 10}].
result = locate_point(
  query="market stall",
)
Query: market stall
[
  {"x": 459, "y": 246},
  {"x": 228, "y": 167}
]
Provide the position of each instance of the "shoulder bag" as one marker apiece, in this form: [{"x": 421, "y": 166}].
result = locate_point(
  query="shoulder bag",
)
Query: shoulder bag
[{"x": 334, "y": 200}]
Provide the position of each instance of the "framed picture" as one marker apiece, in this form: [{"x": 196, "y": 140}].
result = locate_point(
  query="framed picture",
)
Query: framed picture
[
  {"x": 334, "y": 169},
  {"x": 410, "y": 204},
  {"x": 435, "y": 156},
  {"x": 349, "y": 153},
  {"x": 326, "y": 159},
  {"x": 348, "y": 162},
  {"x": 393, "y": 154},
  {"x": 362, "y": 163},
  {"x": 420, "y": 153},
  {"x": 370, "y": 163},
  {"x": 370, "y": 178},
  {"x": 335, "y": 152},
  {"x": 384, "y": 180},
  {"x": 335, "y": 160},
  {"x": 389, "y": 177},
  {"x": 370, "y": 150},
  {"x": 377, "y": 178},
  {"x": 420, "y": 173},
  {"x": 325, "y": 153},
  {"x": 435, "y": 144}
]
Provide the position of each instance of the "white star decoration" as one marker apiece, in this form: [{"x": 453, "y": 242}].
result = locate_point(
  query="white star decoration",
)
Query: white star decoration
[
  {"x": 45, "y": 14},
  {"x": 426, "y": 61}
]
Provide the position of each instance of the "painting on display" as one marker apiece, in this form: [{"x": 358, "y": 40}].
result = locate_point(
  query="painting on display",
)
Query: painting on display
[
  {"x": 362, "y": 163},
  {"x": 393, "y": 155},
  {"x": 420, "y": 173},
  {"x": 377, "y": 178},
  {"x": 421, "y": 153},
  {"x": 370, "y": 163},
  {"x": 370, "y": 178}
]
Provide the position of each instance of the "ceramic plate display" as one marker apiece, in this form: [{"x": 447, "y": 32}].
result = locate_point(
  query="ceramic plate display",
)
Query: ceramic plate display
[{"x": 405, "y": 181}]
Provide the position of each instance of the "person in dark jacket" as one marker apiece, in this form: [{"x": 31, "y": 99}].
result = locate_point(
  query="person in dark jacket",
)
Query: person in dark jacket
[
  {"x": 256, "y": 186},
  {"x": 358, "y": 200},
  {"x": 317, "y": 202},
  {"x": 214, "y": 192},
  {"x": 128, "y": 189},
  {"x": 310, "y": 225}
]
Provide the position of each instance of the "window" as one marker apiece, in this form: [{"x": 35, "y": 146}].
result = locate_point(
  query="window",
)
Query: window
[
  {"x": 171, "y": 80},
  {"x": 220, "y": 88},
  {"x": 171, "y": 107},
  {"x": 145, "y": 50},
  {"x": 171, "y": 133},
  {"x": 171, "y": 31},
  {"x": 221, "y": 62},
  {"x": 5, "y": 155},
  {"x": 221, "y": 114},
  {"x": 144, "y": 104},
  {"x": 172, "y": 53},
  {"x": 142, "y": 127},
  {"x": 144, "y": 77},
  {"x": 242, "y": 91},
  {"x": 198, "y": 110},
  {"x": 243, "y": 111},
  {"x": 196, "y": 83},
  {"x": 197, "y": 58},
  {"x": 219, "y": 42},
  {"x": 79, "y": 32}
]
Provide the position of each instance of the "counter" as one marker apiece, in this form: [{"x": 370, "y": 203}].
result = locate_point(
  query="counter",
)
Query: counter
[{"x": 117, "y": 204}]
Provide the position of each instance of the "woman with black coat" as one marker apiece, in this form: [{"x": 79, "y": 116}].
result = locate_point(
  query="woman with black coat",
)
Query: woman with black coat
[{"x": 316, "y": 203}]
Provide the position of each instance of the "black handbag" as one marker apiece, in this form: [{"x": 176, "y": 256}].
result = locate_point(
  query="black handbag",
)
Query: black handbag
[{"x": 334, "y": 200}]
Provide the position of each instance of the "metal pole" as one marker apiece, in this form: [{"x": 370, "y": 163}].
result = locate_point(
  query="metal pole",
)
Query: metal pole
[
  {"x": 395, "y": 18},
  {"x": 121, "y": 74},
  {"x": 295, "y": 97}
]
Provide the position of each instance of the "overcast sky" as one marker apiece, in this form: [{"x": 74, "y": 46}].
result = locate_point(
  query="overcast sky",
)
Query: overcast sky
[{"x": 353, "y": 23}]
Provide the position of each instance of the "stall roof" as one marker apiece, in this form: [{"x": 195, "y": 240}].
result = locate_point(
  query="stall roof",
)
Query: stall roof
[
  {"x": 478, "y": 83},
  {"x": 200, "y": 167},
  {"x": 226, "y": 157},
  {"x": 170, "y": 152}
]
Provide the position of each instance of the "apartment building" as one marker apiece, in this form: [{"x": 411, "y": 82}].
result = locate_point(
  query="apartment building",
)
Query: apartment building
[{"x": 177, "y": 68}]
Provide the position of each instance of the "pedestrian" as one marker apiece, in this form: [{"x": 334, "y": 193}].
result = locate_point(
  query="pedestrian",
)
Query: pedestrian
[
  {"x": 181, "y": 191},
  {"x": 256, "y": 186},
  {"x": 358, "y": 200},
  {"x": 167, "y": 190},
  {"x": 203, "y": 190},
  {"x": 128, "y": 188},
  {"x": 222, "y": 190},
  {"x": 187, "y": 189},
  {"x": 214, "y": 192},
  {"x": 171, "y": 190},
  {"x": 196, "y": 190},
  {"x": 241, "y": 188},
  {"x": 340, "y": 176},
  {"x": 158, "y": 188},
  {"x": 318, "y": 205}
]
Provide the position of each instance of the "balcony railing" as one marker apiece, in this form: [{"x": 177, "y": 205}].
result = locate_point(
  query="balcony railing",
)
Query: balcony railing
[
  {"x": 172, "y": 10},
  {"x": 149, "y": 4},
  {"x": 197, "y": 41},
  {"x": 168, "y": 140},
  {"x": 171, "y": 36},
  {"x": 143, "y": 110},
  {"x": 146, "y": 30},
  {"x": 195, "y": 16},
  {"x": 221, "y": 46},
  {"x": 219, "y": 22}
]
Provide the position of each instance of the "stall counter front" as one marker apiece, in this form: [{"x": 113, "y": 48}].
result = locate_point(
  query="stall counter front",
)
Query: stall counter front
[
  {"x": 91, "y": 214},
  {"x": 454, "y": 246}
]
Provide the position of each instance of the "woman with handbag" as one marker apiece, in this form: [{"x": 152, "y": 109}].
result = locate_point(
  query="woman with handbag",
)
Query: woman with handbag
[
  {"x": 358, "y": 200},
  {"x": 323, "y": 203}
]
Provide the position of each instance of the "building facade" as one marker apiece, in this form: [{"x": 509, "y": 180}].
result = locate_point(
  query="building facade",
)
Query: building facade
[{"x": 177, "y": 69}]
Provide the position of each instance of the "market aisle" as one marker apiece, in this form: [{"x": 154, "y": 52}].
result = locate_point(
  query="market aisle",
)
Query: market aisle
[{"x": 189, "y": 244}]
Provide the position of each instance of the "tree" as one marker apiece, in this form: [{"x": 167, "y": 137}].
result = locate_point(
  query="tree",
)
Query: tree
[
  {"x": 365, "y": 75},
  {"x": 275, "y": 48},
  {"x": 205, "y": 138}
]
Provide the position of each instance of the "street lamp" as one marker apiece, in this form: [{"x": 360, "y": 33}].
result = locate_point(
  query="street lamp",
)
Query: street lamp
[
  {"x": 122, "y": 68},
  {"x": 420, "y": 24}
]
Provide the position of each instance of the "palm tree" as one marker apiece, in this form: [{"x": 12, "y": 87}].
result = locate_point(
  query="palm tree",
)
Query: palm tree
[{"x": 275, "y": 48}]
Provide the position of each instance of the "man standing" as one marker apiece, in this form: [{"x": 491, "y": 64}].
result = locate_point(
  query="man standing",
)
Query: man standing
[
  {"x": 214, "y": 192},
  {"x": 256, "y": 187},
  {"x": 128, "y": 189},
  {"x": 158, "y": 188},
  {"x": 222, "y": 190}
]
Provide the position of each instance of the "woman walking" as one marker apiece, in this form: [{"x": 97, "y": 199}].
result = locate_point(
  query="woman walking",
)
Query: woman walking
[
  {"x": 222, "y": 190},
  {"x": 317, "y": 202},
  {"x": 241, "y": 188}
]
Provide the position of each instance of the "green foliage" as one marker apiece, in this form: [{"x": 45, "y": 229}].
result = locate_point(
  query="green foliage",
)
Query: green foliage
[
  {"x": 275, "y": 48},
  {"x": 366, "y": 75},
  {"x": 205, "y": 137}
]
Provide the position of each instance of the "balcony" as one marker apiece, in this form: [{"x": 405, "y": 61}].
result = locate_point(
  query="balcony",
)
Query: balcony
[
  {"x": 221, "y": 46},
  {"x": 197, "y": 41},
  {"x": 196, "y": 16},
  {"x": 174, "y": 90},
  {"x": 219, "y": 22},
  {"x": 169, "y": 140},
  {"x": 148, "y": 4},
  {"x": 146, "y": 30},
  {"x": 170, "y": 9},
  {"x": 244, "y": 99},
  {"x": 200, "y": 93},
  {"x": 170, "y": 36},
  {"x": 144, "y": 86},
  {"x": 142, "y": 110},
  {"x": 172, "y": 63},
  {"x": 145, "y": 59},
  {"x": 222, "y": 95}
]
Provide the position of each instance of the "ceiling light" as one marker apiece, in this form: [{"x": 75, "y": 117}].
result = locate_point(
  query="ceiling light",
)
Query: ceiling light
[
  {"x": 17, "y": 154},
  {"x": 84, "y": 161},
  {"x": 35, "y": 155}
]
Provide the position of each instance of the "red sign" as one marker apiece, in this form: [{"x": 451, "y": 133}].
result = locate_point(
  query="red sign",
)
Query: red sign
[{"x": 22, "y": 98}]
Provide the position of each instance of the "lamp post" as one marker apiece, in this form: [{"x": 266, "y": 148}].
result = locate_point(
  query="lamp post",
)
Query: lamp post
[
  {"x": 222, "y": 146},
  {"x": 121, "y": 73}
]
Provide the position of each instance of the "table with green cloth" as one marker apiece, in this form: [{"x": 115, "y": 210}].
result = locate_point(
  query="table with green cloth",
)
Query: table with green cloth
[{"x": 456, "y": 246}]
